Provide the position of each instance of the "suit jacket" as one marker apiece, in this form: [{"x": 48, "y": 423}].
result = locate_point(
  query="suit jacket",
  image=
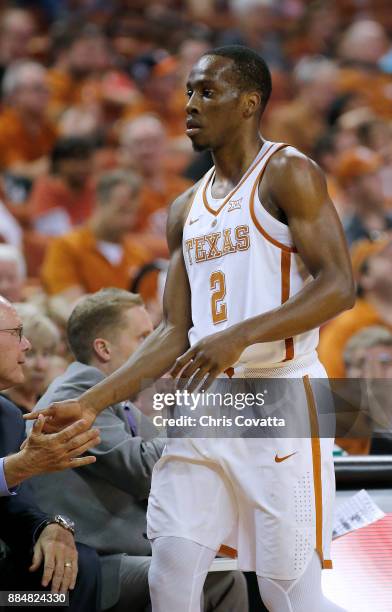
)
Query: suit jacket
[
  {"x": 19, "y": 514},
  {"x": 107, "y": 499}
]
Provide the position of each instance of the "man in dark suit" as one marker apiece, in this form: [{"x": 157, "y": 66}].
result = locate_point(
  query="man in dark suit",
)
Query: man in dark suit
[{"x": 40, "y": 549}]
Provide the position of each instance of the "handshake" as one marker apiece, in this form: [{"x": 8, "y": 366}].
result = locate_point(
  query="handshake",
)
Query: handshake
[{"x": 53, "y": 451}]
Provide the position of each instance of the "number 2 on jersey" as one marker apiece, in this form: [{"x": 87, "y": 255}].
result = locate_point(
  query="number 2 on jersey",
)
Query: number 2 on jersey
[{"x": 218, "y": 287}]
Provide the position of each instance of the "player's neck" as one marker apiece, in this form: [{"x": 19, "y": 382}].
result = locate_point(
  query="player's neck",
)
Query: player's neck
[{"x": 233, "y": 159}]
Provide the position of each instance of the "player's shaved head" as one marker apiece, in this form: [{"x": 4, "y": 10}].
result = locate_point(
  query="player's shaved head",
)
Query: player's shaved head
[{"x": 249, "y": 69}]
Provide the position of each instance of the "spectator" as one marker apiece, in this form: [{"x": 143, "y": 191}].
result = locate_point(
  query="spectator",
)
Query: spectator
[
  {"x": 103, "y": 331},
  {"x": 44, "y": 338},
  {"x": 257, "y": 29},
  {"x": 361, "y": 48},
  {"x": 100, "y": 253},
  {"x": 325, "y": 154},
  {"x": 17, "y": 28},
  {"x": 368, "y": 357},
  {"x": 316, "y": 31},
  {"x": 377, "y": 135},
  {"x": 378, "y": 373},
  {"x": 10, "y": 230},
  {"x": 302, "y": 121},
  {"x": 357, "y": 440},
  {"x": 189, "y": 52},
  {"x": 81, "y": 54},
  {"x": 12, "y": 273},
  {"x": 23, "y": 526},
  {"x": 26, "y": 134},
  {"x": 155, "y": 73},
  {"x": 66, "y": 196},
  {"x": 358, "y": 171},
  {"x": 89, "y": 90},
  {"x": 150, "y": 284},
  {"x": 144, "y": 147},
  {"x": 372, "y": 263}
]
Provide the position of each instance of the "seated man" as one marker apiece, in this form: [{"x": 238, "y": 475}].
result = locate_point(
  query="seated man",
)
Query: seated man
[
  {"x": 145, "y": 144},
  {"x": 23, "y": 526},
  {"x": 39, "y": 368},
  {"x": 368, "y": 358},
  {"x": 100, "y": 253},
  {"x": 65, "y": 197},
  {"x": 26, "y": 133},
  {"x": 103, "y": 331},
  {"x": 372, "y": 262}
]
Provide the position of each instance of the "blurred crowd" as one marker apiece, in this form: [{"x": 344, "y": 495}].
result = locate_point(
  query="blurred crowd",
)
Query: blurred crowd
[{"x": 93, "y": 151}]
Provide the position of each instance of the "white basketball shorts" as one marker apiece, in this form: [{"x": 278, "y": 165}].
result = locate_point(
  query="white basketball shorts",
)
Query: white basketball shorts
[{"x": 271, "y": 499}]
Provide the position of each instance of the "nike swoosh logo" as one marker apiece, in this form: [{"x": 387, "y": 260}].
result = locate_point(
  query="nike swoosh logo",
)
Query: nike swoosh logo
[
  {"x": 280, "y": 459},
  {"x": 191, "y": 221}
]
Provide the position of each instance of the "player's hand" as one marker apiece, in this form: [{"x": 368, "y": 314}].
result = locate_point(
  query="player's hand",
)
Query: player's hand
[
  {"x": 208, "y": 358},
  {"x": 61, "y": 414}
]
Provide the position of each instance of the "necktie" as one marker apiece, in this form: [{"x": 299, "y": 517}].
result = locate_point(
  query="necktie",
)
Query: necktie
[{"x": 131, "y": 420}]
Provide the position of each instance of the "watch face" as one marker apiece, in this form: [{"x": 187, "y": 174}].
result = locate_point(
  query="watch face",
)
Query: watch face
[{"x": 65, "y": 521}]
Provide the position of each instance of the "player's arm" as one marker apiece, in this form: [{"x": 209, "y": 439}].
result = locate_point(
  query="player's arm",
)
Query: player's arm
[
  {"x": 295, "y": 185},
  {"x": 319, "y": 239},
  {"x": 159, "y": 350}
]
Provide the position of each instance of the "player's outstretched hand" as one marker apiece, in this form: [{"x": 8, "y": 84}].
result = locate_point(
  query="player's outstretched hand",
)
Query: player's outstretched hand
[
  {"x": 207, "y": 359},
  {"x": 61, "y": 414}
]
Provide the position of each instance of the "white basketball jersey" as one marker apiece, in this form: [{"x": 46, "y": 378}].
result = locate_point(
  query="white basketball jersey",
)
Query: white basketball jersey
[{"x": 241, "y": 262}]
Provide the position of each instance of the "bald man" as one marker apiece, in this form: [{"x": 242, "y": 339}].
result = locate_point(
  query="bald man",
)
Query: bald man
[{"x": 23, "y": 527}]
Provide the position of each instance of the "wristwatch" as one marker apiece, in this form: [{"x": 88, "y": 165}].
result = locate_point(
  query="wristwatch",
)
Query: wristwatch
[
  {"x": 64, "y": 521},
  {"x": 60, "y": 519}
]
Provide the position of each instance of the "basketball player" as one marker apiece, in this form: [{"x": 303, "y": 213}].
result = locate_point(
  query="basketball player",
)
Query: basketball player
[{"x": 258, "y": 263}]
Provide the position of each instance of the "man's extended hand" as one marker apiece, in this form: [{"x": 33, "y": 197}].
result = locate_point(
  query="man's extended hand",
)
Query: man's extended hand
[
  {"x": 208, "y": 358},
  {"x": 61, "y": 414},
  {"x": 42, "y": 453},
  {"x": 56, "y": 548}
]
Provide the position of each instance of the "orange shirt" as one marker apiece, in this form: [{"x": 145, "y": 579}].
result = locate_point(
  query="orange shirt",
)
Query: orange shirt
[
  {"x": 50, "y": 192},
  {"x": 74, "y": 259},
  {"x": 373, "y": 88},
  {"x": 152, "y": 200},
  {"x": 18, "y": 143},
  {"x": 333, "y": 340},
  {"x": 337, "y": 333},
  {"x": 65, "y": 91}
]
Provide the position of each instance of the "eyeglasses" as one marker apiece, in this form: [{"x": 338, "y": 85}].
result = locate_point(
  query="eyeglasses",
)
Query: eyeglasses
[{"x": 15, "y": 331}]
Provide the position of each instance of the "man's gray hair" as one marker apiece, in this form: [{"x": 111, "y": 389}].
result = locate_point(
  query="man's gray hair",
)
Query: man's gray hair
[
  {"x": 108, "y": 181},
  {"x": 15, "y": 74},
  {"x": 10, "y": 253}
]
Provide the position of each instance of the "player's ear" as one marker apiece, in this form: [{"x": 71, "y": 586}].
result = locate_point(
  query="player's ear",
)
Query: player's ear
[{"x": 252, "y": 104}]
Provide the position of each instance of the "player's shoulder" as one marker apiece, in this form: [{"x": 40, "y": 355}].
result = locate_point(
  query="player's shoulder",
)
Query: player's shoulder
[
  {"x": 288, "y": 159},
  {"x": 289, "y": 171},
  {"x": 180, "y": 206}
]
